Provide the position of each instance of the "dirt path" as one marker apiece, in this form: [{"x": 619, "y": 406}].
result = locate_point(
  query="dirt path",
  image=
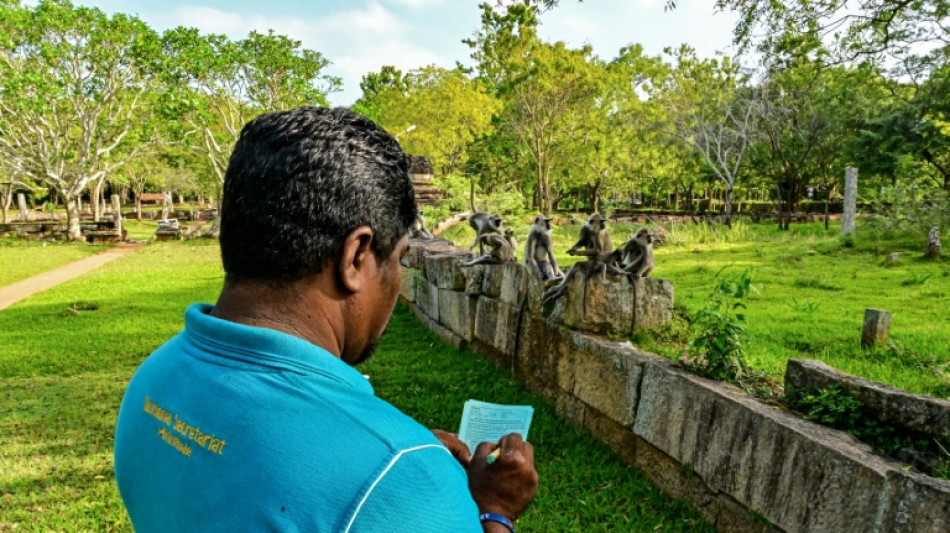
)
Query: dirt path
[{"x": 15, "y": 292}]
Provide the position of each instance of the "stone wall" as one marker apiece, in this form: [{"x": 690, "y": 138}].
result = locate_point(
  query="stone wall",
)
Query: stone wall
[{"x": 748, "y": 467}]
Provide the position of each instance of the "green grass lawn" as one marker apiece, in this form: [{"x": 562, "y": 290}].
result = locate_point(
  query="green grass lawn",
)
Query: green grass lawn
[
  {"x": 66, "y": 355},
  {"x": 813, "y": 290},
  {"x": 20, "y": 259}
]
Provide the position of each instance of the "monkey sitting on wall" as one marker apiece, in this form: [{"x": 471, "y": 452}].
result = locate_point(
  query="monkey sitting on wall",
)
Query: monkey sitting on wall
[
  {"x": 418, "y": 229},
  {"x": 500, "y": 251},
  {"x": 510, "y": 237},
  {"x": 538, "y": 249},
  {"x": 593, "y": 238},
  {"x": 601, "y": 262},
  {"x": 637, "y": 255},
  {"x": 483, "y": 223}
]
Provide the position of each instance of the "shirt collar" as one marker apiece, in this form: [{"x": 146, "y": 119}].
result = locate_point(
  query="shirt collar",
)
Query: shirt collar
[{"x": 266, "y": 347}]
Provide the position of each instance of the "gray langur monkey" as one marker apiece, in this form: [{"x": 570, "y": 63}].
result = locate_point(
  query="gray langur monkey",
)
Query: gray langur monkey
[
  {"x": 483, "y": 223},
  {"x": 538, "y": 249},
  {"x": 599, "y": 262},
  {"x": 418, "y": 229},
  {"x": 638, "y": 255},
  {"x": 500, "y": 251},
  {"x": 593, "y": 238},
  {"x": 510, "y": 237}
]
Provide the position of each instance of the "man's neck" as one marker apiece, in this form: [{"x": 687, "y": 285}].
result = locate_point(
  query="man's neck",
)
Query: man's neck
[{"x": 299, "y": 310}]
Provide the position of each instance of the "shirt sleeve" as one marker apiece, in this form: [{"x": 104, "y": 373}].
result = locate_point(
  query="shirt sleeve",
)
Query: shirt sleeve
[{"x": 422, "y": 489}]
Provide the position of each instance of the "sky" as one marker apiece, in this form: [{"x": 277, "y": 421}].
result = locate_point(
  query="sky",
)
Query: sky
[{"x": 360, "y": 36}]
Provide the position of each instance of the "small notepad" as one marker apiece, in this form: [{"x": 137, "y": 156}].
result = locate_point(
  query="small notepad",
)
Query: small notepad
[{"x": 482, "y": 421}]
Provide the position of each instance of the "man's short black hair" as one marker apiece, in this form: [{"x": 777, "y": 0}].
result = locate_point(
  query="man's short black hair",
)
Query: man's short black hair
[{"x": 300, "y": 181}]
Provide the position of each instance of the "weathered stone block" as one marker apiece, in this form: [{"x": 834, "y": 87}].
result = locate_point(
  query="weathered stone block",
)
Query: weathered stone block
[
  {"x": 605, "y": 375},
  {"x": 474, "y": 278},
  {"x": 653, "y": 303},
  {"x": 920, "y": 504},
  {"x": 617, "y": 437},
  {"x": 791, "y": 471},
  {"x": 457, "y": 312},
  {"x": 447, "y": 336},
  {"x": 426, "y": 297},
  {"x": 599, "y": 307},
  {"x": 891, "y": 405},
  {"x": 618, "y": 306},
  {"x": 407, "y": 283},
  {"x": 673, "y": 477},
  {"x": 444, "y": 271},
  {"x": 536, "y": 359},
  {"x": 877, "y": 327},
  {"x": 496, "y": 325},
  {"x": 514, "y": 283},
  {"x": 419, "y": 249},
  {"x": 491, "y": 283}
]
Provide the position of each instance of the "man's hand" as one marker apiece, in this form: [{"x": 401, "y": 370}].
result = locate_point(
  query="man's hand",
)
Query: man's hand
[
  {"x": 508, "y": 485},
  {"x": 458, "y": 448}
]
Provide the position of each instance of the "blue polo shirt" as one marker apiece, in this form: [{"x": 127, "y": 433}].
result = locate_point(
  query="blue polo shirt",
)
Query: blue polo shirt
[{"x": 229, "y": 427}]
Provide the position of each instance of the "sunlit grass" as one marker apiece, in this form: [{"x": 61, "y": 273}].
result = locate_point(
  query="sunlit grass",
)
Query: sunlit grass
[
  {"x": 67, "y": 354},
  {"x": 20, "y": 258}
]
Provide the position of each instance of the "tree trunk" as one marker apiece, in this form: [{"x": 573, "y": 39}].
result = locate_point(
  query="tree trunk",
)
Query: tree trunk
[
  {"x": 7, "y": 199},
  {"x": 96, "y": 201},
  {"x": 73, "y": 210},
  {"x": 728, "y": 195}
]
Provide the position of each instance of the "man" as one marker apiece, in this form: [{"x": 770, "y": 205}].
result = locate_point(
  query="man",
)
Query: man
[{"x": 252, "y": 418}]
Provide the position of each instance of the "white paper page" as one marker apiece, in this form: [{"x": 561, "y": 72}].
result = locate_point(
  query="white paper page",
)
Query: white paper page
[{"x": 482, "y": 421}]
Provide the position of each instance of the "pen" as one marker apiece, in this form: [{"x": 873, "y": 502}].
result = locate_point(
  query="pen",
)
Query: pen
[{"x": 493, "y": 456}]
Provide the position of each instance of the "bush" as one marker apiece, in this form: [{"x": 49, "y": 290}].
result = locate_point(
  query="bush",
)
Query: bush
[{"x": 716, "y": 351}]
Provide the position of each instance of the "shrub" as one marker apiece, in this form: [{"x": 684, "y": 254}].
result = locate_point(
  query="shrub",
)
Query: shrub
[{"x": 716, "y": 350}]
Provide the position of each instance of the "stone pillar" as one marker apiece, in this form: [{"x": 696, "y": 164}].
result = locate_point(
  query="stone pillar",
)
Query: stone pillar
[
  {"x": 850, "y": 201},
  {"x": 21, "y": 202},
  {"x": 877, "y": 327},
  {"x": 933, "y": 243},
  {"x": 117, "y": 213}
]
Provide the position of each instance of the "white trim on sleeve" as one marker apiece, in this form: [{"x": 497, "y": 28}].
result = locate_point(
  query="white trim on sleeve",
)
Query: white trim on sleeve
[{"x": 383, "y": 474}]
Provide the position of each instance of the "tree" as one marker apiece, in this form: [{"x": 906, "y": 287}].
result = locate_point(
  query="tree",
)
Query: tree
[
  {"x": 900, "y": 28},
  {"x": 712, "y": 113},
  {"x": 73, "y": 80},
  {"x": 546, "y": 88},
  {"x": 217, "y": 85},
  {"x": 374, "y": 85},
  {"x": 448, "y": 110}
]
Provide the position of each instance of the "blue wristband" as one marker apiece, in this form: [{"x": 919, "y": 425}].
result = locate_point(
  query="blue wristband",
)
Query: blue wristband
[{"x": 492, "y": 517}]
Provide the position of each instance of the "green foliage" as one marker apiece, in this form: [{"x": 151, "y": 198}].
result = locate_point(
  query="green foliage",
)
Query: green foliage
[
  {"x": 716, "y": 351},
  {"x": 912, "y": 208},
  {"x": 841, "y": 409}
]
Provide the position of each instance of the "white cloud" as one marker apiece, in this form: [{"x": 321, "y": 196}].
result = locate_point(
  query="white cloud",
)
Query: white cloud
[{"x": 356, "y": 41}]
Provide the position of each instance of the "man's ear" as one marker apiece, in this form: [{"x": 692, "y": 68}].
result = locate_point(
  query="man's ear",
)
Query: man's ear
[{"x": 357, "y": 262}]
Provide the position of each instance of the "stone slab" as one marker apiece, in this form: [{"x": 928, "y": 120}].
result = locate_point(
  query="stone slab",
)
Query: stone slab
[
  {"x": 443, "y": 269},
  {"x": 444, "y": 333},
  {"x": 496, "y": 325},
  {"x": 800, "y": 476},
  {"x": 426, "y": 296},
  {"x": 407, "y": 282},
  {"x": 920, "y": 504},
  {"x": 457, "y": 312},
  {"x": 603, "y": 374},
  {"x": 653, "y": 303},
  {"x": 916, "y": 412},
  {"x": 536, "y": 359},
  {"x": 474, "y": 279}
]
